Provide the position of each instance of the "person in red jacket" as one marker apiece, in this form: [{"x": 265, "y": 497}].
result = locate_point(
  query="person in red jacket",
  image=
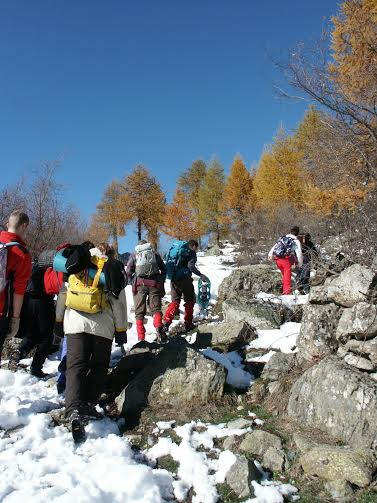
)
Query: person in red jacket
[{"x": 17, "y": 274}]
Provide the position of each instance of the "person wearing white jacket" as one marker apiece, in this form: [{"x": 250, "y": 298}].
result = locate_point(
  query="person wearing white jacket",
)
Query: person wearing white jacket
[
  {"x": 287, "y": 252},
  {"x": 89, "y": 341}
]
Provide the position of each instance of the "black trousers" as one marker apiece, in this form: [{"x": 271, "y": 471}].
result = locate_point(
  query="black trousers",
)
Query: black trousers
[
  {"x": 88, "y": 358},
  {"x": 36, "y": 328}
]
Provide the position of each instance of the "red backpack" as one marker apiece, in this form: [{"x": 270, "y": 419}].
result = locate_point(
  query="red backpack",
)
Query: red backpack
[{"x": 53, "y": 281}]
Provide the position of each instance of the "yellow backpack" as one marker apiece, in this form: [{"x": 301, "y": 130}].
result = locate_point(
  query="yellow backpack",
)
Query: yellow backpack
[{"x": 84, "y": 293}]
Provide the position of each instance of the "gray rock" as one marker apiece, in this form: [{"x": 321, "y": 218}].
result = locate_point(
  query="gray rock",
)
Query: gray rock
[
  {"x": 228, "y": 336},
  {"x": 257, "y": 442},
  {"x": 241, "y": 475},
  {"x": 356, "y": 466},
  {"x": 230, "y": 443},
  {"x": 360, "y": 322},
  {"x": 251, "y": 279},
  {"x": 339, "y": 489},
  {"x": 353, "y": 285},
  {"x": 278, "y": 365},
  {"x": 238, "y": 424},
  {"x": 274, "y": 460},
  {"x": 177, "y": 376},
  {"x": 274, "y": 387},
  {"x": 260, "y": 315},
  {"x": 318, "y": 328},
  {"x": 303, "y": 444},
  {"x": 339, "y": 400},
  {"x": 213, "y": 251},
  {"x": 363, "y": 348},
  {"x": 359, "y": 362}
]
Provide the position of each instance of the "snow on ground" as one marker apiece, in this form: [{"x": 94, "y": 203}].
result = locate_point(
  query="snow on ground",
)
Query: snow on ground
[
  {"x": 39, "y": 461},
  {"x": 289, "y": 301}
]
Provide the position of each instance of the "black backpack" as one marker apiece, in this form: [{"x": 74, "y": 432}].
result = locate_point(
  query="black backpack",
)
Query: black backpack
[{"x": 35, "y": 287}]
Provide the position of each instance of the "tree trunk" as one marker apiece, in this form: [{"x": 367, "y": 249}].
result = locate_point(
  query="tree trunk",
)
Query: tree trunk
[
  {"x": 139, "y": 228},
  {"x": 115, "y": 239}
]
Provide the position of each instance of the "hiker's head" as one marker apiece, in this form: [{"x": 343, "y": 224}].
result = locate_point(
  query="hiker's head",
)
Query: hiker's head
[
  {"x": 295, "y": 230},
  {"x": 18, "y": 223},
  {"x": 193, "y": 245},
  {"x": 104, "y": 248},
  {"x": 88, "y": 244}
]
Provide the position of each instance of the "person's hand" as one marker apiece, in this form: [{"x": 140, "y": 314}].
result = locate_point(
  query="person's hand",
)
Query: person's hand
[
  {"x": 121, "y": 338},
  {"x": 270, "y": 258},
  {"x": 14, "y": 326},
  {"x": 58, "y": 332},
  {"x": 204, "y": 278}
]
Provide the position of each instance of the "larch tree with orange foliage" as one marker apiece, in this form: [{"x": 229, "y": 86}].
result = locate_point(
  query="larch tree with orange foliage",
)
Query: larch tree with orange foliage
[
  {"x": 145, "y": 200},
  {"x": 179, "y": 220},
  {"x": 238, "y": 197}
]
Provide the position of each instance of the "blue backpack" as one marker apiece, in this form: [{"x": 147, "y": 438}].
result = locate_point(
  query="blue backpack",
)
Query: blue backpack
[
  {"x": 175, "y": 261},
  {"x": 284, "y": 247}
]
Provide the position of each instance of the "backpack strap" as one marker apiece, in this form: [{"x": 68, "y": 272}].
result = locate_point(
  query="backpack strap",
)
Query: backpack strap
[
  {"x": 100, "y": 265},
  {"x": 19, "y": 245}
]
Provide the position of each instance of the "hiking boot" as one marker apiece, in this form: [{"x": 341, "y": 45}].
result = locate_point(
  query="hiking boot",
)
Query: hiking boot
[
  {"x": 38, "y": 373},
  {"x": 90, "y": 412},
  {"x": 14, "y": 360},
  {"x": 162, "y": 336},
  {"x": 76, "y": 426},
  {"x": 190, "y": 327}
]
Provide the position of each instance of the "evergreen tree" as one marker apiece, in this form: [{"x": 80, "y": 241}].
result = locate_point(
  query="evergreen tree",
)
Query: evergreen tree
[
  {"x": 211, "y": 208},
  {"x": 179, "y": 218},
  {"x": 146, "y": 202}
]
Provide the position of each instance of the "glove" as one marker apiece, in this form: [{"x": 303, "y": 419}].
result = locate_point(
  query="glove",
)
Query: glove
[
  {"x": 58, "y": 332},
  {"x": 204, "y": 278},
  {"x": 14, "y": 326},
  {"x": 120, "y": 338}
]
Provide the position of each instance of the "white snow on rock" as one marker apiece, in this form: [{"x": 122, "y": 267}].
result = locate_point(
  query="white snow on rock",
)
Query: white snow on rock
[
  {"x": 237, "y": 376},
  {"x": 282, "y": 339}
]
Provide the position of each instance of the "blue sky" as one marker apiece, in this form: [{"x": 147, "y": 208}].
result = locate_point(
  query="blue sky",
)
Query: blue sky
[{"x": 105, "y": 85}]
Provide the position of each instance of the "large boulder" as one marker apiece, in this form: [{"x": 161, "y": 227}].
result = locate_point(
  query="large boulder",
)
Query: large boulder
[
  {"x": 228, "y": 336},
  {"x": 318, "y": 328},
  {"x": 339, "y": 400},
  {"x": 259, "y": 314},
  {"x": 356, "y": 466},
  {"x": 251, "y": 279},
  {"x": 360, "y": 322},
  {"x": 177, "y": 376},
  {"x": 354, "y": 284}
]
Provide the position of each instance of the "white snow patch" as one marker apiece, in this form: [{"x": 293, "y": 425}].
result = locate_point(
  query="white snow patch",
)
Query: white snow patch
[
  {"x": 237, "y": 376},
  {"x": 283, "y": 339}
]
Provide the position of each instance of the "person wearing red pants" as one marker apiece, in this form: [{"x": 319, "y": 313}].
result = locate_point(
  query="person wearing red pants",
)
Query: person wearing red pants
[
  {"x": 182, "y": 286},
  {"x": 147, "y": 272},
  {"x": 287, "y": 253}
]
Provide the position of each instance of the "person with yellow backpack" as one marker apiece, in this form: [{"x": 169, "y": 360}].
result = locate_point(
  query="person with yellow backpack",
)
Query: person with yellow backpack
[{"x": 92, "y": 316}]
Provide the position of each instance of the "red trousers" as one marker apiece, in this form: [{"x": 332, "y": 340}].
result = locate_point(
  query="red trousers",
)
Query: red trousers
[{"x": 285, "y": 266}]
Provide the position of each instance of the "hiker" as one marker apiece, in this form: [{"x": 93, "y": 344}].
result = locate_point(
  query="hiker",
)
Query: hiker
[
  {"x": 15, "y": 271},
  {"x": 181, "y": 265},
  {"x": 287, "y": 254},
  {"x": 147, "y": 273},
  {"x": 308, "y": 252},
  {"x": 37, "y": 318},
  {"x": 91, "y": 319}
]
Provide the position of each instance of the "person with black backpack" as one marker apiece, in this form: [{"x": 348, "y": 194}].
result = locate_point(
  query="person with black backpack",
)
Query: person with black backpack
[
  {"x": 146, "y": 272},
  {"x": 37, "y": 318},
  {"x": 287, "y": 253},
  {"x": 15, "y": 271}
]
